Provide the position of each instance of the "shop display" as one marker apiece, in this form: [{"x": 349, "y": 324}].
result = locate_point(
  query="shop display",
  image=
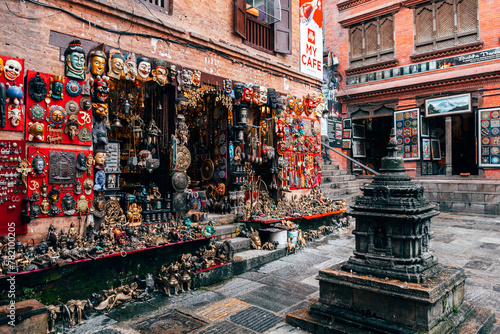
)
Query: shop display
[
  {"x": 408, "y": 133},
  {"x": 489, "y": 137},
  {"x": 55, "y": 170},
  {"x": 12, "y": 99}
]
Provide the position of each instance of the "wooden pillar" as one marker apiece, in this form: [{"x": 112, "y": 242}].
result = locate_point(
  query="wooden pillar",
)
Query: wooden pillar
[{"x": 448, "y": 142}]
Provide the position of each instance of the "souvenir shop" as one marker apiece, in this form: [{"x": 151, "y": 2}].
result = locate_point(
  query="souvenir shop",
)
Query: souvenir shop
[
  {"x": 421, "y": 135},
  {"x": 139, "y": 151}
]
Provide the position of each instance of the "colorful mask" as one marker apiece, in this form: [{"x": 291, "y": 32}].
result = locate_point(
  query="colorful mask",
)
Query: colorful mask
[
  {"x": 247, "y": 93},
  {"x": 37, "y": 88},
  {"x": 74, "y": 58},
  {"x": 12, "y": 69},
  {"x": 115, "y": 64},
  {"x": 56, "y": 87},
  {"x": 97, "y": 62},
  {"x": 57, "y": 116},
  {"x": 73, "y": 88},
  {"x": 143, "y": 68},
  {"x": 130, "y": 68},
  {"x": 100, "y": 110},
  {"x": 227, "y": 86},
  {"x": 1, "y": 66},
  {"x": 196, "y": 78},
  {"x": 100, "y": 180},
  {"x": 160, "y": 72},
  {"x": 100, "y": 90},
  {"x": 255, "y": 94}
]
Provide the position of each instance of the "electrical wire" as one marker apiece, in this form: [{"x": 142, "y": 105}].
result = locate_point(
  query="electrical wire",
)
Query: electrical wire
[{"x": 198, "y": 47}]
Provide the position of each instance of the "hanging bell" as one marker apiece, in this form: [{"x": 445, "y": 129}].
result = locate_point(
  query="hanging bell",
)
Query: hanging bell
[{"x": 117, "y": 123}]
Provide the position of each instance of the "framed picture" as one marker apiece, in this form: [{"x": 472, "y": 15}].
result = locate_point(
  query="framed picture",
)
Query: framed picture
[
  {"x": 407, "y": 124},
  {"x": 448, "y": 105},
  {"x": 424, "y": 126},
  {"x": 347, "y": 123},
  {"x": 347, "y": 134},
  {"x": 436, "y": 149},
  {"x": 358, "y": 149},
  {"x": 346, "y": 144},
  {"x": 338, "y": 134},
  {"x": 426, "y": 149},
  {"x": 358, "y": 131},
  {"x": 489, "y": 137}
]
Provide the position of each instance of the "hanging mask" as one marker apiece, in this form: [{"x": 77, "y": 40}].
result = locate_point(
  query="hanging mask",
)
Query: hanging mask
[
  {"x": 68, "y": 204},
  {"x": 74, "y": 58},
  {"x": 159, "y": 72},
  {"x": 255, "y": 94},
  {"x": 247, "y": 93},
  {"x": 130, "y": 67},
  {"x": 227, "y": 86},
  {"x": 172, "y": 73},
  {"x": 116, "y": 64},
  {"x": 73, "y": 88},
  {"x": 71, "y": 129},
  {"x": 1, "y": 66},
  {"x": 100, "y": 134},
  {"x": 56, "y": 87},
  {"x": 84, "y": 135},
  {"x": 37, "y": 88},
  {"x": 77, "y": 188},
  {"x": 97, "y": 62},
  {"x": 143, "y": 68},
  {"x": 196, "y": 78},
  {"x": 100, "y": 90},
  {"x": 238, "y": 90},
  {"x": 184, "y": 80},
  {"x": 100, "y": 110},
  {"x": 57, "y": 116},
  {"x": 12, "y": 69}
]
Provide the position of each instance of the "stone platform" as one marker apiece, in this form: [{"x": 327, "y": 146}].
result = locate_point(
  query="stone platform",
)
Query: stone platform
[{"x": 355, "y": 303}]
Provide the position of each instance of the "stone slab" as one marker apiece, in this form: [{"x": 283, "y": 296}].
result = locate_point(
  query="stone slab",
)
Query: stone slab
[
  {"x": 171, "y": 322},
  {"x": 202, "y": 300},
  {"x": 256, "y": 319},
  {"x": 236, "y": 287},
  {"x": 33, "y": 316},
  {"x": 272, "y": 298},
  {"x": 297, "y": 287},
  {"x": 221, "y": 309},
  {"x": 295, "y": 272},
  {"x": 225, "y": 327}
]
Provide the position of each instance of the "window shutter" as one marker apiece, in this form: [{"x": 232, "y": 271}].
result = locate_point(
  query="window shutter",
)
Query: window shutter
[
  {"x": 467, "y": 16},
  {"x": 283, "y": 29},
  {"x": 424, "y": 25},
  {"x": 240, "y": 18},
  {"x": 356, "y": 42},
  {"x": 445, "y": 24},
  {"x": 386, "y": 34},
  {"x": 371, "y": 38}
]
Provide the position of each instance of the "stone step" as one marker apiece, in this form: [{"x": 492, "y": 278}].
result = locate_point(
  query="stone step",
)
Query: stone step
[
  {"x": 240, "y": 244},
  {"x": 227, "y": 231},
  {"x": 463, "y": 196},
  {"x": 333, "y": 172},
  {"x": 221, "y": 219},
  {"x": 468, "y": 207},
  {"x": 338, "y": 178},
  {"x": 329, "y": 167},
  {"x": 491, "y": 186}
]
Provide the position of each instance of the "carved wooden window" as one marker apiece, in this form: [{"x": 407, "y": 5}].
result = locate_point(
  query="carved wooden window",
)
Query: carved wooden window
[
  {"x": 159, "y": 5},
  {"x": 442, "y": 24},
  {"x": 371, "y": 42}
]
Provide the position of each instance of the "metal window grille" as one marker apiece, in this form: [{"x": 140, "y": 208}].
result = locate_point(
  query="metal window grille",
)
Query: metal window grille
[
  {"x": 159, "y": 5},
  {"x": 445, "y": 23}
]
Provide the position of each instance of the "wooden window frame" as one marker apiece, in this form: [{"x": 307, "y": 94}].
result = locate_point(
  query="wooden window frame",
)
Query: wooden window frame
[
  {"x": 455, "y": 35},
  {"x": 379, "y": 53},
  {"x": 155, "y": 5}
]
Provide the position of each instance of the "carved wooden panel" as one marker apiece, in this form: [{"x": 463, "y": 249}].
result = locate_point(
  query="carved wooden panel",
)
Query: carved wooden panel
[{"x": 467, "y": 16}]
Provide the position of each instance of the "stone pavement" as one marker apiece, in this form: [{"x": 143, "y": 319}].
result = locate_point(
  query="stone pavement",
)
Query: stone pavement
[{"x": 257, "y": 301}]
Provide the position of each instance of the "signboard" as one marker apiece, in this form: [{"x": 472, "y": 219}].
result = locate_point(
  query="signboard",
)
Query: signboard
[
  {"x": 433, "y": 65},
  {"x": 335, "y": 131},
  {"x": 489, "y": 137},
  {"x": 311, "y": 37}
]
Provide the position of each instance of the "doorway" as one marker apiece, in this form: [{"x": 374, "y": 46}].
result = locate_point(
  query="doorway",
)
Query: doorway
[
  {"x": 378, "y": 130},
  {"x": 464, "y": 144}
]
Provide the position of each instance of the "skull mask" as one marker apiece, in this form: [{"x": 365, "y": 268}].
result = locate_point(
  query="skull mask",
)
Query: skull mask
[
  {"x": 263, "y": 95},
  {"x": 12, "y": 69}
]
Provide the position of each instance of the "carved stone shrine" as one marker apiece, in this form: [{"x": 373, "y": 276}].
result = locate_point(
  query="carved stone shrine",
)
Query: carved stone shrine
[{"x": 392, "y": 283}]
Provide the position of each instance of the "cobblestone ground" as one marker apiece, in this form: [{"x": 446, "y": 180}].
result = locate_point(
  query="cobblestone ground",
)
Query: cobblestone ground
[{"x": 257, "y": 301}]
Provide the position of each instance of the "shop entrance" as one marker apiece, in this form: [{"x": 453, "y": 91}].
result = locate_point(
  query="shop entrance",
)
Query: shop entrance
[
  {"x": 378, "y": 131},
  {"x": 464, "y": 144}
]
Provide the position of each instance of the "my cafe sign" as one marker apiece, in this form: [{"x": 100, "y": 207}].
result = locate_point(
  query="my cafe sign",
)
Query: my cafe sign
[{"x": 311, "y": 40}]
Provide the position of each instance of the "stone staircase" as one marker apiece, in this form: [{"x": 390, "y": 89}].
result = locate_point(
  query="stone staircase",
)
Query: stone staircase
[
  {"x": 480, "y": 196},
  {"x": 338, "y": 184}
]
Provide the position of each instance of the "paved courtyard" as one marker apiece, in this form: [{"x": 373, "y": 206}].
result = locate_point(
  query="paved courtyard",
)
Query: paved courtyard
[{"x": 257, "y": 301}]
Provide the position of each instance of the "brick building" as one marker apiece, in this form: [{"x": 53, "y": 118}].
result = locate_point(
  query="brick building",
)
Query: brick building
[
  {"x": 219, "y": 38},
  {"x": 430, "y": 69}
]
